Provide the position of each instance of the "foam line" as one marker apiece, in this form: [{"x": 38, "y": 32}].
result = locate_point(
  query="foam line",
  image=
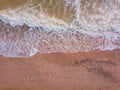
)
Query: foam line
[{"x": 23, "y": 34}]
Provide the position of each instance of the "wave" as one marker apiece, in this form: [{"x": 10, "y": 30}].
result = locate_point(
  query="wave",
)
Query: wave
[{"x": 25, "y": 30}]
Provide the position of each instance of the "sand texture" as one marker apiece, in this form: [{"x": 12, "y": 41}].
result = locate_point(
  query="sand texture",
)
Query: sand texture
[{"x": 95, "y": 70}]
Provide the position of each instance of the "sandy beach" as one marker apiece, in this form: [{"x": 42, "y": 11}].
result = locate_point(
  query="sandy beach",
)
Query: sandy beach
[
  {"x": 59, "y": 45},
  {"x": 95, "y": 70}
]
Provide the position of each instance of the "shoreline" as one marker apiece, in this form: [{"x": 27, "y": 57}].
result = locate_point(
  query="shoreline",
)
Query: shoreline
[
  {"x": 23, "y": 41},
  {"x": 58, "y": 29}
]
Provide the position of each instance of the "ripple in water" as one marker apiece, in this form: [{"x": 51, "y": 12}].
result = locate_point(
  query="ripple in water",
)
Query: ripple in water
[{"x": 48, "y": 26}]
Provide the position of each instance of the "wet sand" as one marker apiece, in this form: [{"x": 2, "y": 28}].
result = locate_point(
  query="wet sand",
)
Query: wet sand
[{"x": 95, "y": 70}]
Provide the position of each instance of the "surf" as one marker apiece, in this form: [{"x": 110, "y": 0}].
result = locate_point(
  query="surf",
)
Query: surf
[{"x": 48, "y": 26}]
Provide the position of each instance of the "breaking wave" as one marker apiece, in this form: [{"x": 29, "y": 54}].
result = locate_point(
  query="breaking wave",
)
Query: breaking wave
[{"x": 48, "y": 26}]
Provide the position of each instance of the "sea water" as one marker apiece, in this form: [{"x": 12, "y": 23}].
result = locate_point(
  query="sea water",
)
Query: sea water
[{"x": 47, "y": 26}]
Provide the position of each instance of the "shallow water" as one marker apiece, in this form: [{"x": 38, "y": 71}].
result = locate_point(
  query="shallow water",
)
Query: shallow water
[
  {"x": 47, "y": 26},
  {"x": 11, "y": 3}
]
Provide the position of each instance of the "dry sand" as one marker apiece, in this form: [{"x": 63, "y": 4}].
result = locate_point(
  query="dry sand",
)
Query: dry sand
[{"x": 95, "y": 70}]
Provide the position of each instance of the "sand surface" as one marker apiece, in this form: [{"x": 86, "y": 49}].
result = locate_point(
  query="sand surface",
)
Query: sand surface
[{"x": 95, "y": 70}]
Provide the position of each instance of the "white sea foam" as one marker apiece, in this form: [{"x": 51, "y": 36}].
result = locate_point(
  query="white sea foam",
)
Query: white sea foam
[{"x": 26, "y": 30}]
